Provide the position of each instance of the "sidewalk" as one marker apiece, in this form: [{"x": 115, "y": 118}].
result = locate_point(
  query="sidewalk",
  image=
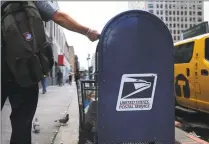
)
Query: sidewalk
[
  {"x": 51, "y": 107},
  {"x": 183, "y": 137}
]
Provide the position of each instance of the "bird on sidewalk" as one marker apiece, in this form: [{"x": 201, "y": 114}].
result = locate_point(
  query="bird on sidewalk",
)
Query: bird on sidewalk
[
  {"x": 36, "y": 126},
  {"x": 64, "y": 120}
]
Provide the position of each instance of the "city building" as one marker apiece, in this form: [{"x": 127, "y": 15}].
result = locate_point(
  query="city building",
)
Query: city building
[
  {"x": 60, "y": 50},
  {"x": 72, "y": 59},
  {"x": 77, "y": 64},
  {"x": 136, "y": 5},
  {"x": 178, "y": 15}
]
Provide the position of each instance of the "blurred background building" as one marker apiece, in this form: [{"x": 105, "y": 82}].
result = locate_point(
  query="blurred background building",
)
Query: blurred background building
[
  {"x": 63, "y": 53},
  {"x": 178, "y": 15}
]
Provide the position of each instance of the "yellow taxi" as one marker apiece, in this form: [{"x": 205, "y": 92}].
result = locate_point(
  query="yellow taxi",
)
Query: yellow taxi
[{"x": 191, "y": 73}]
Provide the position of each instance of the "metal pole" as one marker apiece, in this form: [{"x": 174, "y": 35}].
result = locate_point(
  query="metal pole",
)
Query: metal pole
[{"x": 88, "y": 58}]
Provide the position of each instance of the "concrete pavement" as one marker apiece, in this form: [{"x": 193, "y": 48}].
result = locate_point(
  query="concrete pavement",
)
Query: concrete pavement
[
  {"x": 183, "y": 137},
  {"x": 51, "y": 106}
]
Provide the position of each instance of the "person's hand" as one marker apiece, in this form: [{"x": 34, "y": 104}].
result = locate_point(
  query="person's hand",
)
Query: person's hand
[{"x": 92, "y": 35}]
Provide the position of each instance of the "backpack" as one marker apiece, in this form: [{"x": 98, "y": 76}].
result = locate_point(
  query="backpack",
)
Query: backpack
[{"x": 29, "y": 54}]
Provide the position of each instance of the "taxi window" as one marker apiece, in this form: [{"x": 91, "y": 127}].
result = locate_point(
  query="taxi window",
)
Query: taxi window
[
  {"x": 207, "y": 48},
  {"x": 183, "y": 53}
]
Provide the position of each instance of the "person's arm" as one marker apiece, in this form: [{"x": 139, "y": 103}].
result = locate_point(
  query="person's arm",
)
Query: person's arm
[
  {"x": 69, "y": 23},
  {"x": 49, "y": 12}
]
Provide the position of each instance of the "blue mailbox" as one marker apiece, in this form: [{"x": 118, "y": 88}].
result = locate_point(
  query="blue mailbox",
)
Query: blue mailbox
[{"x": 136, "y": 80}]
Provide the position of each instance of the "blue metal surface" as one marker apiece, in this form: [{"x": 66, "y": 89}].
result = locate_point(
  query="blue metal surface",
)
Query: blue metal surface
[{"x": 136, "y": 99}]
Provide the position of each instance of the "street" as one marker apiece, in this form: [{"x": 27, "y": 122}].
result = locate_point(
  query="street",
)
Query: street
[
  {"x": 193, "y": 122},
  {"x": 51, "y": 106}
]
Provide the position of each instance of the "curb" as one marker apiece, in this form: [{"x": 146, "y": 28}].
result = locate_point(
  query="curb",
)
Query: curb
[
  {"x": 198, "y": 140},
  {"x": 55, "y": 135}
]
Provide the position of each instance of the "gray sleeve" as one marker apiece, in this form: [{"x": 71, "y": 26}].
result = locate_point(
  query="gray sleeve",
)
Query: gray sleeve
[{"x": 46, "y": 9}]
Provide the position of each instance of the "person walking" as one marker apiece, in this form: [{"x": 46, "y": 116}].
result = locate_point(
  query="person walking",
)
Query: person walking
[
  {"x": 77, "y": 79},
  {"x": 44, "y": 84},
  {"x": 70, "y": 78},
  {"x": 59, "y": 78},
  {"x": 24, "y": 99}
]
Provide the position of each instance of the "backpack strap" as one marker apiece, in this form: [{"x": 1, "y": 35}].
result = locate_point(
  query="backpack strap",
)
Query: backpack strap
[{"x": 7, "y": 8}]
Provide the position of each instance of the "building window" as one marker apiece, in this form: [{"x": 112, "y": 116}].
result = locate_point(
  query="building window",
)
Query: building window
[
  {"x": 174, "y": 31},
  {"x": 174, "y": 38},
  {"x": 170, "y": 13},
  {"x": 57, "y": 32},
  {"x": 190, "y": 19},
  {"x": 190, "y": 13},
  {"x": 54, "y": 29},
  {"x": 185, "y": 12},
  {"x": 170, "y": 25},
  {"x": 178, "y": 31},
  {"x": 58, "y": 38},
  {"x": 161, "y": 5},
  {"x": 174, "y": 13},
  {"x": 170, "y": 19},
  {"x": 199, "y": 13},
  {"x": 185, "y": 25},
  {"x": 199, "y": 19},
  {"x": 190, "y": 25},
  {"x": 183, "y": 53},
  {"x": 166, "y": 18},
  {"x": 161, "y": 12},
  {"x": 207, "y": 48},
  {"x": 182, "y": 26},
  {"x": 169, "y": 6},
  {"x": 150, "y": 5},
  {"x": 166, "y": 6},
  {"x": 182, "y": 13},
  {"x": 177, "y": 12},
  {"x": 157, "y": 12},
  {"x": 177, "y": 25},
  {"x": 193, "y": 12},
  {"x": 199, "y": 7},
  {"x": 157, "y": 5}
]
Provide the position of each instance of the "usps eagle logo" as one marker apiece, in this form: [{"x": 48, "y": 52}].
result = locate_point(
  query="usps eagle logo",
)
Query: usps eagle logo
[
  {"x": 28, "y": 36},
  {"x": 136, "y": 92}
]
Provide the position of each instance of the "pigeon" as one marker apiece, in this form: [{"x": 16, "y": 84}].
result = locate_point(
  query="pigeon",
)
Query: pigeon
[
  {"x": 36, "y": 126},
  {"x": 63, "y": 120}
]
